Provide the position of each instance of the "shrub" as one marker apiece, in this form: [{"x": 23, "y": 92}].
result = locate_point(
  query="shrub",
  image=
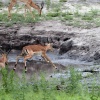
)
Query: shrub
[
  {"x": 74, "y": 81},
  {"x": 53, "y": 14},
  {"x": 7, "y": 80},
  {"x": 87, "y": 16},
  {"x": 63, "y": 0},
  {"x": 68, "y": 17}
]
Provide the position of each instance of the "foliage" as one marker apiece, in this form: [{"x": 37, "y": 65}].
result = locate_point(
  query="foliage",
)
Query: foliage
[
  {"x": 63, "y": 0},
  {"x": 7, "y": 80},
  {"x": 55, "y": 12},
  {"x": 48, "y": 3},
  {"x": 74, "y": 85},
  {"x": 1, "y": 4},
  {"x": 87, "y": 16},
  {"x": 14, "y": 88}
]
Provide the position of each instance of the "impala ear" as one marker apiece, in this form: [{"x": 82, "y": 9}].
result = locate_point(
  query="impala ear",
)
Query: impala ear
[{"x": 1, "y": 50}]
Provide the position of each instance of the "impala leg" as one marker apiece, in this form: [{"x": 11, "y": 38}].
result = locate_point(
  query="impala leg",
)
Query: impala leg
[
  {"x": 29, "y": 7},
  {"x": 16, "y": 62},
  {"x": 2, "y": 65},
  {"x": 12, "y": 3},
  {"x": 25, "y": 11},
  {"x": 32, "y": 4},
  {"x": 46, "y": 57},
  {"x": 6, "y": 63},
  {"x": 25, "y": 65},
  {"x": 26, "y": 58}
]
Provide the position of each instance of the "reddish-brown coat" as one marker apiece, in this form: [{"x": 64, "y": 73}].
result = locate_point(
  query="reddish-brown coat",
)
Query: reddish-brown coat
[
  {"x": 30, "y": 50},
  {"x": 3, "y": 60},
  {"x": 28, "y": 4}
]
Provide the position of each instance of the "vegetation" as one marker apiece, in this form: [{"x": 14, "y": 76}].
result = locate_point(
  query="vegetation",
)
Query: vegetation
[
  {"x": 55, "y": 12},
  {"x": 48, "y": 3},
  {"x": 0, "y": 4},
  {"x": 63, "y": 0},
  {"x": 14, "y": 88}
]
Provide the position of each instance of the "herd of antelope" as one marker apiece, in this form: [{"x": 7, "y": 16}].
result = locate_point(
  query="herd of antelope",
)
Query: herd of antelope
[{"x": 27, "y": 53}]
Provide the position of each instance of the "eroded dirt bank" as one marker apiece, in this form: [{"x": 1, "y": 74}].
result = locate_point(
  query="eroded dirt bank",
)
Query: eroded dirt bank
[{"x": 71, "y": 42}]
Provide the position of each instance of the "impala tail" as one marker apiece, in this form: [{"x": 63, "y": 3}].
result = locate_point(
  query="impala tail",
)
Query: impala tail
[
  {"x": 42, "y": 5},
  {"x": 32, "y": 4}
]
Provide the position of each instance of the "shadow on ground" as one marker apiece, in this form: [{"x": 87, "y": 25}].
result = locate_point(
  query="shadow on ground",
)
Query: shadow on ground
[{"x": 36, "y": 68}]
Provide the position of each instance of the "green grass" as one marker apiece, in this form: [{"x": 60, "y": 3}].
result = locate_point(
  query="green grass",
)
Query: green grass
[
  {"x": 14, "y": 88},
  {"x": 76, "y": 19},
  {"x": 63, "y": 0},
  {"x": 53, "y": 14},
  {"x": 19, "y": 18},
  {"x": 87, "y": 17},
  {"x": 51, "y": 95}
]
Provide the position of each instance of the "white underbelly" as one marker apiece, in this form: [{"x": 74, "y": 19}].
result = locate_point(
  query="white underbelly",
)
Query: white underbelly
[{"x": 37, "y": 53}]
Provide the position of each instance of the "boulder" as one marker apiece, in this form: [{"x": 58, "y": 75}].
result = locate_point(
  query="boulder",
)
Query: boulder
[
  {"x": 96, "y": 56},
  {"x": 66, "y": 46}
]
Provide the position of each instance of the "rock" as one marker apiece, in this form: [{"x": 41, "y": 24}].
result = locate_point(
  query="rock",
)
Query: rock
[
  {"x": 66, "y": 46},
  {"x": 96, "y": 56}
]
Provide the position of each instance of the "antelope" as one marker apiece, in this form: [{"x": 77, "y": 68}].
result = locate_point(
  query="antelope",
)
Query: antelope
[
  {"x": 3, "y": 59},
  {"x": 28, "y": 4},
  {"x": 30, "y": 50}
]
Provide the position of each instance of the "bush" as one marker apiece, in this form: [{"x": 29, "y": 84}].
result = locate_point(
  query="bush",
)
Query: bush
[
  {"x": 63, "y": 0},
  {"x": 7, "y": 80},
  {"x": 74, "y": 81},
  {"x": 53, "y": 14}
]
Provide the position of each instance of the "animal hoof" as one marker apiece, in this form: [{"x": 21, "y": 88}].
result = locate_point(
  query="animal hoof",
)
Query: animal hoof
[
  {"x": 56, "y": 68},
  {"x": 14, "y": 69},
  {"x": 25, "y": 70},
  {"x": 50, "y": 75}
]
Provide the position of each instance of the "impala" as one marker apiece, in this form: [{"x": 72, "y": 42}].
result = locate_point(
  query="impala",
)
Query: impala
[
  {"x": 3, "y": 59},
  {"x": 30, "y": 50},
  {"x": 28, "y": 4}
]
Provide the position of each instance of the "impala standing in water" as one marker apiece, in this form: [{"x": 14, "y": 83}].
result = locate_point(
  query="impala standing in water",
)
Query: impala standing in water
[
  {"x": 3, "y": 59},
  {"x": 30, "y": 50}
]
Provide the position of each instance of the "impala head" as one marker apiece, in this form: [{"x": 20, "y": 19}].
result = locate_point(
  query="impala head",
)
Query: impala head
[
  {"x": 49, "y": 46},
  {"x": 4, "y": 55},
  {"x": 4, "y": 58}
]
